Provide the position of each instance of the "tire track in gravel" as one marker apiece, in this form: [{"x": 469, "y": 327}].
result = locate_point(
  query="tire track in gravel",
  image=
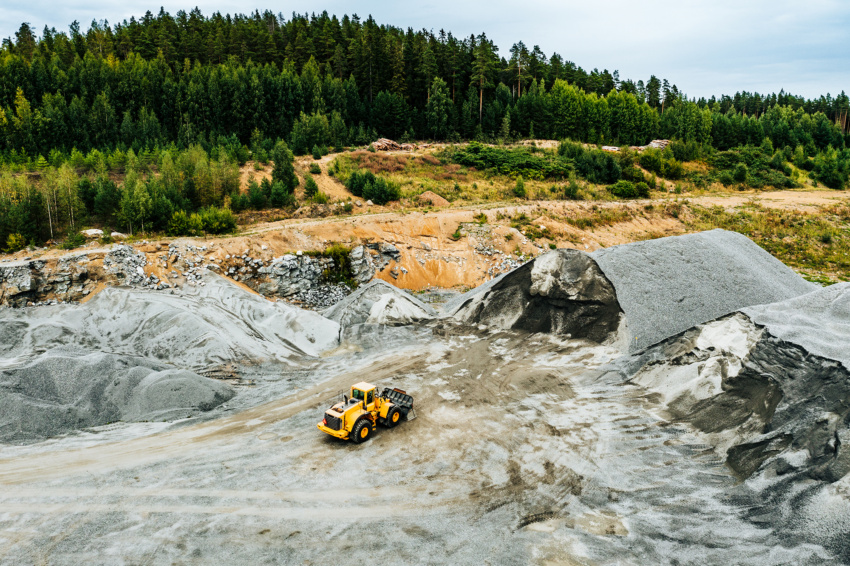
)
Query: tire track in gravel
[{"x": 181, "y": 442}]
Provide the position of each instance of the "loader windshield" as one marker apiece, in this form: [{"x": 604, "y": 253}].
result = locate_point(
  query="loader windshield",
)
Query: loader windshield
[{"x": 357, "y": 394}]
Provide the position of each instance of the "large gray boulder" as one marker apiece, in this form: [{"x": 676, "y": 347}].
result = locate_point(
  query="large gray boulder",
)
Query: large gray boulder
[{"x": 560, "y": 292}]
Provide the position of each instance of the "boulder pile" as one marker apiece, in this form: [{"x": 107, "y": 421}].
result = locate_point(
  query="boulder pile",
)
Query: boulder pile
[{"x": 385, "y": 144}]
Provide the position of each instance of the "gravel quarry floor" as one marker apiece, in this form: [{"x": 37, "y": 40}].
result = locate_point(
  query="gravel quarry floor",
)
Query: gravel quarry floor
[
  {"x": 723, "y": 443},
  {"x": 518, "y": 456}
]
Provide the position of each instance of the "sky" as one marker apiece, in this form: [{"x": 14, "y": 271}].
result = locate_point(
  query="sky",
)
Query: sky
[{"x": 705, "y": 47}]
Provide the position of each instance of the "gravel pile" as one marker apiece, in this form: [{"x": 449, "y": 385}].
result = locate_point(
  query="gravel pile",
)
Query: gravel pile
[
  {"x": 65, "y": 389},
  {"x": 197, "y": 328},
  {"x": 818, "y": 321},
  {"x": 357, "y": 308},
  {"x": 668, "y": 285}
]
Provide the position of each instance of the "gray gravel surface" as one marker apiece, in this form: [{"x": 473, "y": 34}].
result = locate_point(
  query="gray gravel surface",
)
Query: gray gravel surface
[
  {"x": 65, "y": 389},
  {"x": 818, "y": 321},
  {"x": 668, "y": 285}
]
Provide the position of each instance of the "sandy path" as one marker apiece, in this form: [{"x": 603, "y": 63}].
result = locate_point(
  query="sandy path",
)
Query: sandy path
[{"x": 806, "y": 200}]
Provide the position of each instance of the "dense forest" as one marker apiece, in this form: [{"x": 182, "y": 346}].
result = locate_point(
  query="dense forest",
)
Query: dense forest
[{"x": 205, "y": 92}]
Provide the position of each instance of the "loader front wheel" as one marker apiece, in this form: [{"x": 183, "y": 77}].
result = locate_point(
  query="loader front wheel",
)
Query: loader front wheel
[
  {"x": 362, "y": 431},
  {"x": 393, "y": 417}
]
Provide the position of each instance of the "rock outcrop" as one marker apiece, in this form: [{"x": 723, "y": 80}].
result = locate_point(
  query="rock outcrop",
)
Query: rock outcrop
[{"x": 366, "y": 260}]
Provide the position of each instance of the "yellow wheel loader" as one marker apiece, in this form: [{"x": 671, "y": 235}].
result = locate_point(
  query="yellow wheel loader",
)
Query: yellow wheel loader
[{"x": 357, "y": 416}]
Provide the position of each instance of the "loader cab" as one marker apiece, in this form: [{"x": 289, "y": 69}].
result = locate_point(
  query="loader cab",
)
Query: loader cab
[{"x": 365, "y": 393}]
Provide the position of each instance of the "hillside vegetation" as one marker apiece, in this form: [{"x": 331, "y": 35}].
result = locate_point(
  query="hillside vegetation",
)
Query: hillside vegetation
[{"x": 142, "y": 126}]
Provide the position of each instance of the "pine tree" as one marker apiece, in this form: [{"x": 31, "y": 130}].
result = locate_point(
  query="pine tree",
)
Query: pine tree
[
  {"x": 482, "y": 68},
  {"x": 283, "y": 171},
  {"x": 438, "y": 110}
]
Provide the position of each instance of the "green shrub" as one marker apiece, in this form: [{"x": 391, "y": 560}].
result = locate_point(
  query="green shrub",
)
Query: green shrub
[
  {"x": 182, "y": 224},
  {"x": 358, "y": 180},
  {"x": 741, "y": 172},
  {"x": 571, "y": 190},
  {"x": 321, "y": 198},
  {"x": 256, "y": 196},
  {"x": 310, "y": 187},
  {"x": 280, "y": 196},
  {"x": 627, "y": 189},
  {"x": 598, "y": 166},
  {"x": 15, "y": 242},
  {"x": 655, "y": 160},
  {"x": 341, "y": 270},
  {"x": 315, "y": 169},
  {"x": 381, "y": 191},
  {"x": 685, "y": 151},
  {"x": 74, "y": 240},
  {"x": 217, "y": 220},
  {"x": 512, "y": 162},
  {"x": 317, "y": 153},
  {"x": 519, "y": 188}
]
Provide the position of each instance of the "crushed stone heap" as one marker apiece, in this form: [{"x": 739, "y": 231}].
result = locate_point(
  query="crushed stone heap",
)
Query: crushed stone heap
[
  {"x": 378, "y": 302},
  {"x": 768, "y": 387},
  {"x": 818, "y": 321},
  {"x": 64, "y": 390},
  {"x": 198, "y": 328},
  {"x": 668, "y": 285}
]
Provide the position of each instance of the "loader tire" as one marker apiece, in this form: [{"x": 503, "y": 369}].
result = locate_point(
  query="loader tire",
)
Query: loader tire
[
  {"x": 393, "y": 417},
  {"x": 362, "y": 431}
]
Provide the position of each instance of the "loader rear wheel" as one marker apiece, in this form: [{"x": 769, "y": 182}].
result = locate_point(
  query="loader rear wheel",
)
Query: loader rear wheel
[
  {"x": 393, "y": 417},
  {"x": 362, "y": 431}
]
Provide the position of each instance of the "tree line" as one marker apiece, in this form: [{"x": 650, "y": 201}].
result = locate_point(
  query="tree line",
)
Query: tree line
[
  {"x": 198, "y": 94},
  {"x": 194, "y": 79}
]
